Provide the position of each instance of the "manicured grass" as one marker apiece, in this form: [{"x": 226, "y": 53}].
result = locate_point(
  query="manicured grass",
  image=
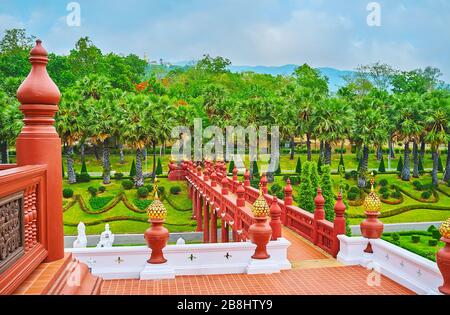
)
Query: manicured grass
[
  {"x": 177, "y": 221},
  {"x": 421, "y": 248}
]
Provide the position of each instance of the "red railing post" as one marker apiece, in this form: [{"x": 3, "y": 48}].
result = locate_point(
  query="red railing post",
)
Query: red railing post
[
  {"x": 263, "y": 183},
  {"x": 275, "y": 223},
  {"x": 39, "y": 144},
  {"x": 246, "y": 178},
  {"x": 206, "y": 221},
  {"x": 319, "y": 214},
  {"x": 224, "y": 185},
  {"x": 339, "y": 223},
  {"x": 240, "y": 192},
  {"x": 213, "y": 223}
]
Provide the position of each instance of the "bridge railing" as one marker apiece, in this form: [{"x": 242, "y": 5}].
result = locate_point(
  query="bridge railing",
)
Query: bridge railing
[
  {"x": 311, "y": 226},
  {"x": 23, "y": 238}
]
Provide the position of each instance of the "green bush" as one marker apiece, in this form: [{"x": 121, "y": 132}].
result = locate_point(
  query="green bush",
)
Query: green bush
[
  {"x": 352, "y": 196},
  {"x": 83, "y": 168},
  {"x": 142, "y": 192},
  {"x": 436, "y": 234},
  {"x": 92, "y": 191},
  {"x": 150, "y": 188},
  {"x": 142, "y": 204},
  {"x": 384, "y": 182},
  {"x": 395, "y": 236},
  {"x": 417, "y": 185},
  {"x": 127, "y": 184},
  {"x": 118, "y": 176},
  {"x": 354, "y": 190},
  {"x": 159, "y": 169},
  {"x": 298, "y": 167},
  {"x": 431, "y": 228},
  {"x": 280, "y": 194},
  {"x": 432, "y": 242},
  {"x": 83, "y": 178},
  {"x": 385, "y": 195},
  {"x": 384, "y": 189},
  {"x": 102, "y": 189},
  {"x": 396, "y": 194},
  {"x": 98, "y": 203},
  {"x": 67, "y": 193},
  {"x": 275, "y": 188},
  {"x": 400, "y": 165},
  {"x": 415, "y": 238},
  {"x": 381, "y": 167},
  {"x": 175, "y": 190},
  {"x": 161, "y": 190},
  {"x": 426, "y": 194}
]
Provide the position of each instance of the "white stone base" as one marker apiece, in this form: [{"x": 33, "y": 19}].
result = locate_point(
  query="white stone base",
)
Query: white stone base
[
  {"x": 157, "y": 272},
  {"x": 262, "y": 266}
]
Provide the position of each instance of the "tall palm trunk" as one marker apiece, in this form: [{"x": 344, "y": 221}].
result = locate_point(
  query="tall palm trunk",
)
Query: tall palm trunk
[
  {"x": 82, "y": 151},
  {"x": 106, "y": 163},
  {"x": 4, "y": 152},
  {"x": 139, "y": 179},
  {"x": 292, "y": 145},
  {"x": 447, "y": 166},
  {"x": 391, "y": 149},
  {"x": 379, "y": 152},
  {"x": 327, "y": 153},
  {"x": 121, "y": 155},
  {"x": 363, "y": 168},
  {"x": 308, "y": 145},
  {"x": 434, "y": 173},
  {"x": 422, "y": 149},
  {"x": 406, "y": 172},
  {"x": 144, "y": 154},
  {"x": 154, "y": 159},
  {"x": 97, "y": 157},
  {"x": 72, "y": 178},
  {"x": 416, "y": 160}
]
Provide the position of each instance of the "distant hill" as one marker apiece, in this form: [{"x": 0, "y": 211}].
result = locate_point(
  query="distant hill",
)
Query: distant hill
[{"x": 335, "y": 76}]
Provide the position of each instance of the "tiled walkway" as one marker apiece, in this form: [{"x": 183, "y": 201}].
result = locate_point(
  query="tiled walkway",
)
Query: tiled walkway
[{"x": 314, "y": 272}]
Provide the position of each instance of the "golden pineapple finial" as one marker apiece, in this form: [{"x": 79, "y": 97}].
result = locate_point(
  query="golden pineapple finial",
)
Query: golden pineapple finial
[
  {"x": 372, "y": 203},
  {"x": 444, "y": 229},
  {"x": 156, "y": 211}
]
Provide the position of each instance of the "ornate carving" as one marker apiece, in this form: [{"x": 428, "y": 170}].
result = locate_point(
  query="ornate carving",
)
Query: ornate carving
[
  {"x": 11, "y": 230},
  {"x": 30, "y": 217}
]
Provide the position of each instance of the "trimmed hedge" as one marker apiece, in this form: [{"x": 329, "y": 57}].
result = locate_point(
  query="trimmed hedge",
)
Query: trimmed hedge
[{"x": 67, "y": 193}]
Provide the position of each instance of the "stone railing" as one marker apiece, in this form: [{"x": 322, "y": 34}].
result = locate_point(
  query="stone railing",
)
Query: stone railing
[{"x": 23, "y": 241}]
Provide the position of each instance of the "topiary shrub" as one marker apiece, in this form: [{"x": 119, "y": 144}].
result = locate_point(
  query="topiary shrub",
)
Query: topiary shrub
[
  {"x": 161, "y": 190},
  {"x": 175, "y": 190},
  {"x": 436, "y": 234},
  {"x": 159, "y": 169},
  {"x": 83, "y": 178},
  {"x": 101, "y": 189},
  {"x": 417, "y": 185},
  {"x": 415, "y": 238},
  {"x": 92, "y": 191},
  {"x": 149, "y": 187},
  {"x": 400, "y": 165},
  {"x": 280, "y": 194},
  {"x": 295, "y": 180},
  {"x": 384, "y": 182},
  {"x": 395, "y": 236},
  {"x": 142, "y": 192},
  {"x": 354, "y": 190},
  {"x": 432, "y": 242},
  {"x": 127, "y": 184},
  {"x": 298, "y": 167},
  {"x": 133, "y": 169},
  {"x": 381, "y": 167},
  {"x": 354, "y": 174},
  {"x": 67, "y": 193},
  {"x": 383, "y": 190},
  {"x": 385, "y": 195},
  {"x": 275, "y": 188},
  {"x": 426, "y": 194},
  {"x": 118, "y": 176},
  {"x": 352, "y": 196},
  {"x": 396, "y": 194},
  {"x": 431, "y": 228}
]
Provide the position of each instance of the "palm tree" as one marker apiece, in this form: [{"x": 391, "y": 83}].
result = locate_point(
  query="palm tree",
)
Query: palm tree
[
  {"x": 71, "y": 126},
  {"x": 306, "y": 100},
  {"x": 407, "y": 129},
  {"x": 331, "y": 123},
  {"x": 10, "y": 124},
  {"x": 437, "y": 125}
]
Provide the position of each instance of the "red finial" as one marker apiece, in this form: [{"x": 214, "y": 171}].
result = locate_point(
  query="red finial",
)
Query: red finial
[
  {"x": 38, "y": 87},
  {"x": 319, "y": 200},
  {"x": 339, "y": 207},
  {"x": 288, "y": 187}
]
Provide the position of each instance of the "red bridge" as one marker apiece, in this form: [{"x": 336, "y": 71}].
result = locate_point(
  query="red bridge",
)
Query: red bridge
[{"x": 217, "y": 197}]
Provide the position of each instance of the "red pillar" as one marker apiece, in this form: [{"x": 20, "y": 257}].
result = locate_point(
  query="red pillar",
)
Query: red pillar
[
  {"x": 319, "y": 214},
  {"x": 339, "y": 223},
  {"x": 206, "y": 222},
  {"x": 246, "y": 178},
  {"x": 275, "y": 222},
  {"x": 199, "y": 212},
  {"x": 39, "y": 143},
  {"x": 263, "y": 183},
  {"x": 213, "y": 231},
  {"x": 224, "y": 231}
]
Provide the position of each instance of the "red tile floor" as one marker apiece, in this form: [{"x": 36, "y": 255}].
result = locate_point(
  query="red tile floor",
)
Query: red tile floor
[{"x": 314, "y": 272}]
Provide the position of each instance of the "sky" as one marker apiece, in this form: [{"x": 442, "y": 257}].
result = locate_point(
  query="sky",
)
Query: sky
[{"x": 323, "y": 33}]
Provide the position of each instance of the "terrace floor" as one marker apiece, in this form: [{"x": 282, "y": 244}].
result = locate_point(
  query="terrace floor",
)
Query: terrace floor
[{"x": 313, "y": 272}]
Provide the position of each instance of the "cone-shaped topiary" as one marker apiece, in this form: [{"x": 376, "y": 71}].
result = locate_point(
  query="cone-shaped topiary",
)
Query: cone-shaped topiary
[
  {"x": 255, "y": 170},
  {"x": 298, "y": 167},
  {"x": 400, "y": 164},
  {"x": 159, "y": 169},
  {"x": 231, "y": 167},
  {"x": 327, "y": 191},
  {"x": 133, "y": 169},
  {"x": 382, "y": 168},
  {"x": 341, "y": 162},
  {"x": 84, "y": 168},
  {"x": 319, "y": 166},
  {"x": 306, "y": 196}
]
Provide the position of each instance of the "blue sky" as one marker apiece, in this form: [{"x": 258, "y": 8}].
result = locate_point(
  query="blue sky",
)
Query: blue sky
[{"x": 323, "y": 33}]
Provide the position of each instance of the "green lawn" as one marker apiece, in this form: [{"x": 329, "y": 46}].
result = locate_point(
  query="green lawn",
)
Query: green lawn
[{"x": 421, "y": 248}]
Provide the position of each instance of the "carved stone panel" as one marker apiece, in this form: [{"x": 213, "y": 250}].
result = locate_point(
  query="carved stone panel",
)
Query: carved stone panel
[{"x": 11, "y": 230}]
